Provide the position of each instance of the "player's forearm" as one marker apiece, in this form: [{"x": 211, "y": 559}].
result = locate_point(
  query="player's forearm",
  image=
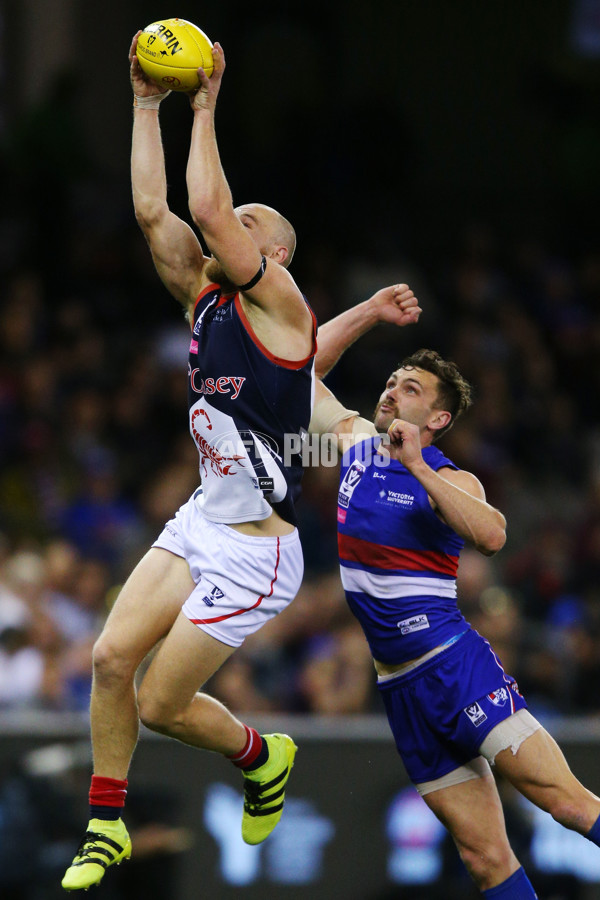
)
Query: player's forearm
[
  {"x": 148, "y": 177},
  {"x": 208, "y": 191},
  {"x": 473, "y": 519},
  {"x": 340, "y": 333}
]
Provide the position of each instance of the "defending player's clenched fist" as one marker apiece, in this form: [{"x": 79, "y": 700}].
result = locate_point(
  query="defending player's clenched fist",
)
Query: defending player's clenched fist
[{"x": 405, "y": 442}]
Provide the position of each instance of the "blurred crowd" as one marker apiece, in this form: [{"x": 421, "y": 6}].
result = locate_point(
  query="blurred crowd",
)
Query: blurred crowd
[{"x": 95, "y": 455}]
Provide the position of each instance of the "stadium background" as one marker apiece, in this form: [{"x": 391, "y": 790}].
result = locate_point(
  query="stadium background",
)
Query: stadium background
[{"x": 455, "y": 147}]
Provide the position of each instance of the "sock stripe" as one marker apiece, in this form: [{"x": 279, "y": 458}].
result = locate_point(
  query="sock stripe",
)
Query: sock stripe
[{"x": 250, "y": 750}]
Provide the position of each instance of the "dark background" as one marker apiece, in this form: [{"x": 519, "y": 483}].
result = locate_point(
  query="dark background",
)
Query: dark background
[{"x": 454, "y": 146}]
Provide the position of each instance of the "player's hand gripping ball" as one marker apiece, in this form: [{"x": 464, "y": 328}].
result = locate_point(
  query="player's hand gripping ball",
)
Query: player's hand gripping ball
[{"x": 171, "y": 50}]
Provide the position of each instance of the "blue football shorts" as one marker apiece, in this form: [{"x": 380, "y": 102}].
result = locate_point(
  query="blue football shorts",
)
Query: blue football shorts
[{"x": 441, "y": 712}]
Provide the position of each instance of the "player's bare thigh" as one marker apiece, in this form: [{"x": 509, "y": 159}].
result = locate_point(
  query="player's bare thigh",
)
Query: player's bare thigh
[
  {"x": 185, "y": 661},
  {"x": 472, "y": 813},
  {"x": 147, "y": 606},
  {"x": 539, "y": 770}
]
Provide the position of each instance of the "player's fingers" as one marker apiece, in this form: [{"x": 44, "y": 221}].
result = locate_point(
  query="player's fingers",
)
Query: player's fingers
[
  {"x": 203, "y": 79},
  {"x": 218, "y": 59},
  {"x": 407, "y": 302},
  {"x": 133, "y": 47}
]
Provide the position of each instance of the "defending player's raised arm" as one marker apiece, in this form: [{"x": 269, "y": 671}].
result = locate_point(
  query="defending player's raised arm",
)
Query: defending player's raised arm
[
  {"x": 395, "y": 304},
  {"x": 332, "y": 418},
  {"x": 238, "y": 239},
  {"x": 456, "y": 495},
  {"x": 176, "y": 251}
]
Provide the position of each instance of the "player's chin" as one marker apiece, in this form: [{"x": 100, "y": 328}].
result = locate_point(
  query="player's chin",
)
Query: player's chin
[{"x": 383, "y": 420}]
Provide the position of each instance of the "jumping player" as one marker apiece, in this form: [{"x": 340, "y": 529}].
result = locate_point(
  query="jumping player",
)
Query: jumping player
[
  {"x": 403, "y": 518},
  {"x": 231, "y": 557}
]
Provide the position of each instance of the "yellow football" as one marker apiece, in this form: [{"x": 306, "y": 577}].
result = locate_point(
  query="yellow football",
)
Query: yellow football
[{"x": 171, "y": 50}]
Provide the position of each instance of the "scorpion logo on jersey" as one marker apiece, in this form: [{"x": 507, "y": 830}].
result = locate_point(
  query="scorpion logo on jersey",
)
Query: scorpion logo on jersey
[{"x": 219, "y": 464}]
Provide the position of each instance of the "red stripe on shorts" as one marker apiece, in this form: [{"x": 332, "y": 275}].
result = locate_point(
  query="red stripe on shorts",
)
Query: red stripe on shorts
[{"x": 239, "y": 612}]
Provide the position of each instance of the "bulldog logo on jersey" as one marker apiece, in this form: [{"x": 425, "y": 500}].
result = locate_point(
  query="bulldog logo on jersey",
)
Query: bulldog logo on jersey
[{"x": 350, "y": 483}]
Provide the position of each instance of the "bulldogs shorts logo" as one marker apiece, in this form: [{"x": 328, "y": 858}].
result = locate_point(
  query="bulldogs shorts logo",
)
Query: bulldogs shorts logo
[
  {"x": 475, "y": 714},
  {"x": 499, "y": 697}
]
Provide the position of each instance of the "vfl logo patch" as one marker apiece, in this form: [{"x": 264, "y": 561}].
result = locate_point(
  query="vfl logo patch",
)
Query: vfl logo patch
[
  {"x": 215, "y": 594},
  {"x": 475, "y": 714},
  {"x": 415, "y": 623},
  {"x": 499, "y": 697},
  {"x": 350, "y": 483}
]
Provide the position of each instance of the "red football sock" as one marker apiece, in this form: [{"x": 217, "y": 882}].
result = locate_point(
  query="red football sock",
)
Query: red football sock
[
  {"x": 107, "y": 797},
  {"x": 251, "y": 750}
]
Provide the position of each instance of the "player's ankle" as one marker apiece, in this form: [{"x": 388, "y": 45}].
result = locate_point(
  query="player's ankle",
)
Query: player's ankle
[{"x": 253, "y": 754}]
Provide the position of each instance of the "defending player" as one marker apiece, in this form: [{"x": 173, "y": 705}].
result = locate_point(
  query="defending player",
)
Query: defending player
[
  {"x": 403, "y": 518},
  {"x": 231, "y": 557}
]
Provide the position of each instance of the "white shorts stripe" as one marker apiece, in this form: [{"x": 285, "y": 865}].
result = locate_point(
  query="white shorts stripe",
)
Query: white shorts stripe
[{"x": 384, "y": 586}]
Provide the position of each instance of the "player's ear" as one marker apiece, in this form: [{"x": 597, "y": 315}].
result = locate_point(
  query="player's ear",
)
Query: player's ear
[
  {"x": 279, "y": 253},
  {"x": 440, "y": 418}
]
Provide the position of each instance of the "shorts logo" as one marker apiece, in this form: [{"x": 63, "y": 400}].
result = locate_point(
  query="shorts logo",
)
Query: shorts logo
[
  {"x": 215, "y": 594},
  {"x": 416, "y": 623},
  {"x": 475, "y": 714},
  {"x": 499, "y": 697}
]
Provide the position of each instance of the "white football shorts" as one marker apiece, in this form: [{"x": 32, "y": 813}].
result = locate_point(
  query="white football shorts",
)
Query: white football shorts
[{"x": 241, "y": 581}]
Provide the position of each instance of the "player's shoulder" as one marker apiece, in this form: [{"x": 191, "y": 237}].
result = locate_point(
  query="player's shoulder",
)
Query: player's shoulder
[{"x": 437, "y": 459}]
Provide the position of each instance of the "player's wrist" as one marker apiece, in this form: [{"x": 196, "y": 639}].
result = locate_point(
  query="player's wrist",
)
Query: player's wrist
[
  {"x": 152, "y": 102},
  {"x": 372, "y": 312}
]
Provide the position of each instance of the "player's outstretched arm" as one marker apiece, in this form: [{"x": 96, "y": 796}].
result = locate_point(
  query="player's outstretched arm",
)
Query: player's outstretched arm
[
  {"x": 330, "y": 417},
  {"x": 175, "y": 248},
  {"x": 395, "y": 304},
  {"x": 226, "y": 234}
]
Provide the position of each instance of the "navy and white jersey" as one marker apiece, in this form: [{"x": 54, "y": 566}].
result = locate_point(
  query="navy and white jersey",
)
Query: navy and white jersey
[
  {"x": 398, "y": 559},
  {"x": 242, "y": 401}
]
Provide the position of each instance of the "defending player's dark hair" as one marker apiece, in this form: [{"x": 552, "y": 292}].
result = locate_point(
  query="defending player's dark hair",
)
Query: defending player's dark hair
[{"x": 455, "y": 394}]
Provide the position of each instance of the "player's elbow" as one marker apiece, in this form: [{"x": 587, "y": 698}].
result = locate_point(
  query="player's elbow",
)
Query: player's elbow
[
  {"x": 209, "y": 208},
  {"x": 493, "y": 540},
  {"x": 149, "y": 212}
]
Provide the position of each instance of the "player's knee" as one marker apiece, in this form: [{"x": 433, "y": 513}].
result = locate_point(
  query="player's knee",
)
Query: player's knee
[
  {"x": 485, "y": 860},
  {"x": 156, "y": 714},
  {"x": 571, "y": 812},
  {"x": 111, "y": 663}
]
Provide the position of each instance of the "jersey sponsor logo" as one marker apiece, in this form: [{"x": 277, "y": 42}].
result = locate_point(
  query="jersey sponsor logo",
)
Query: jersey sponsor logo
[
  {"x": 475, "y": 714},
  {"x": 341, "y": 515},
  {"x": 226, "y": 384},
  {"x": 399, "y": 497},
  {"x": 215, "y": 594},
  {"x": 377, "y": 475},
  {"x": 415, "y": 623},
  {"x": 350, "y": 483},
  {"x": 194, "y": 346},
  {"x": 499, "y": 697}
]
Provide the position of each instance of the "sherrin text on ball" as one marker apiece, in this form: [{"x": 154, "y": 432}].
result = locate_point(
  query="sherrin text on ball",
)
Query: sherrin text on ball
[{"x": 170, "y": 52}]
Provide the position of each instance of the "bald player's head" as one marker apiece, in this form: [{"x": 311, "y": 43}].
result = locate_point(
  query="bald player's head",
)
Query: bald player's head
[{"x": 271, "y": 231}]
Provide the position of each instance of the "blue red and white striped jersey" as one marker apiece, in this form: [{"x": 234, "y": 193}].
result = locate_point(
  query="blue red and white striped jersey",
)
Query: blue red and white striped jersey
[
  {"x": 242, "y": 402},
  {"x": 398, "y": 559}
]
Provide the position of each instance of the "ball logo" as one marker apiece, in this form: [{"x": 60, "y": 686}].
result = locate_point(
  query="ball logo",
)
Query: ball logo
[{"x": 171, "y": 79}]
